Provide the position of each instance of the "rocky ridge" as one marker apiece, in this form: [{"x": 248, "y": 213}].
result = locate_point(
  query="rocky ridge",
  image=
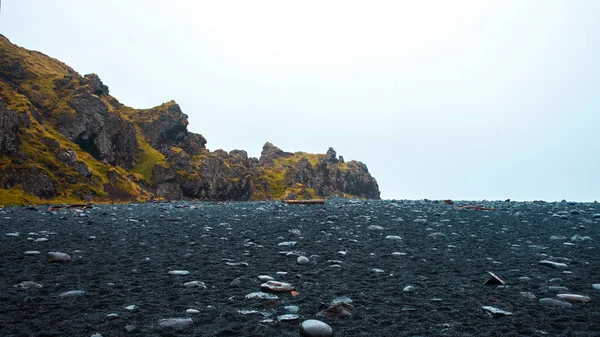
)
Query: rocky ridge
[{"x": 63, "y": 138}]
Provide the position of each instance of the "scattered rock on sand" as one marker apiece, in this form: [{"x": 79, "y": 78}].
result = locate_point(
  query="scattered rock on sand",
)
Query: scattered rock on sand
[
  {"x": 495, "y": 312},
  {"x": 301, "y": 260},
  {"x": 550, "y": 302},
  {"x": 375, "y": 228},
  {"x": 28, "y": 285},
  {"x": 259, "y": 295},
  {"x": 179, "y": 272},
  {"x": 178, "y": 323},
  {"x": 315, "y": 328},
  {"x": 596, "y": 286},
  {"x": 338, "y": 310},
  {"x": 277, "y": 286},
  {"x": 195, "y": 284},
  {"x": 72, "y": 293},
  {"x": 555, "y": 265},
  {"x": 437, "y": 235},
  {"x": 58, "y": 257},
  {"x": 32, "y": 253},
  {"x": 574, "y": 298}
]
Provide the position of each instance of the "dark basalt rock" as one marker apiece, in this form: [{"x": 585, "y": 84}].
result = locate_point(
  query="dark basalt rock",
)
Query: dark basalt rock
[
  {"x": 271, "y": 152},
  {"x": 165, "y": 126},
  {"x": 9, "y": 124},
  {"x": 36, "y": 181},
  {"x": 106, "y": 135}
]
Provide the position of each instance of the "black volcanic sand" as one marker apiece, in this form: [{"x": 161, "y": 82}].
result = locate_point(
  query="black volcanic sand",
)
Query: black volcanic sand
[{"x": 135, "y": 247}]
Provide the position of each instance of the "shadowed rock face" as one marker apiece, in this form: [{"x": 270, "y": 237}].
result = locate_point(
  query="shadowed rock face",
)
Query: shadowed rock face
[
  {"x": 106, "y": 135},
  {"x": 166, "y": 126},
  {"x": 9, "y": 124}
]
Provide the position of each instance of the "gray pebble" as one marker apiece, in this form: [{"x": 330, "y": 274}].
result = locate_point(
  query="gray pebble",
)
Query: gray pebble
[
  {"x": 301, "y": 260},
  {"x": 177, "y": 323},
  {"x": 315, "y": 328},
  {"x": 550, "y": 302}
]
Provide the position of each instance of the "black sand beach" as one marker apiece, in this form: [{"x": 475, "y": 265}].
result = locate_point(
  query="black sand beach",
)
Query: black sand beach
[{"x": 121, "y": 256}]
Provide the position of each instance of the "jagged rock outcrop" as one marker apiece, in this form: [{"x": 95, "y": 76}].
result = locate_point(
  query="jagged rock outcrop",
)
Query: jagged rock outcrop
[
  {"x": 165, "y": 126},
  {"x": 269, "y": 153},
  {"x": 64, "y": 138},
  {"x": 308, "y": 175},
  {"x": 105, "y": 134}
]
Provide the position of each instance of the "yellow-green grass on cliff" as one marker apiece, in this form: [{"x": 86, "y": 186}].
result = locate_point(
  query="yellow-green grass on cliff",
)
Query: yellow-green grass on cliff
[
  {"x": 295, "y": 157},
  {"x": 149, "y": 157},
  {"x": 39, "y": 82}
]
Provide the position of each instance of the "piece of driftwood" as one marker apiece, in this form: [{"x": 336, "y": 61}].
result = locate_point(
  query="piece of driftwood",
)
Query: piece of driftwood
[
  {"x": 305, "y": 202},
  {"x": 73, "y": 206}
]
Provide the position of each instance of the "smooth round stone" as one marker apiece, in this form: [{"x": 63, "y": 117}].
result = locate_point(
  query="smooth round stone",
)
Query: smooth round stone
[
  {"x": 112, "y": 316},
  {"x": 96, "y": 335},
  {"x": 437, "y": 235},
  {"x": 265, "y": 278},
  {"x": 408, "y": 289},
  {"x": 550, "y": 302},
  {"x": 292, "y": 309},
  {"x": 393, "y": 237},
  {"x": 558, "y": 289},
  {"x": 375, "y": 228},
  {"x": 399, "y": 254},
  {"x": 192, "y": 311},
  {"x": 301, "y": 260},
  {"x": 261, "y": 296},
  {"x": 342, "y": 299},
  {"x": 315, "y": 328},
  {"x": 131, "y": 307},
  {"x": 596, "y": 286},
  {"x": 32, "y": 253},
  {"x": 288, "y": 317},
  {"x": 72, "y": 293},
  {"x": 41, "y": 240},
  {"x": 177, "y": 323},
  {"x": 235, "y": 283},
  {"x": 58, "y": 257},
  {"x": 524, "y": 279},
  {"x": 528, "y": 295},
  {"x": 195, "y": 284},
  {"x": 28, "y": 285},
  {"x": 179, "y": 272},
  {"x": 420, "y": 220}
]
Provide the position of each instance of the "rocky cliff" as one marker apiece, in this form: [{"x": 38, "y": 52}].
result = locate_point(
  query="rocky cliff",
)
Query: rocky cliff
[{"x": 64, "y": 139}]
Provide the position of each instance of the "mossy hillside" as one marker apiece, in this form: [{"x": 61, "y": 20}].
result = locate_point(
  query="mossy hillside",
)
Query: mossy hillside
[
  {"x": 45, "y": 81},
  {"x": 274, "y": 176},
  {"x": 149, "y": 157}
]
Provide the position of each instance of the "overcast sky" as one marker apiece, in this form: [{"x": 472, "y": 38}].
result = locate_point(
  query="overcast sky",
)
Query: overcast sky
[{"x": 441, "y": 99}]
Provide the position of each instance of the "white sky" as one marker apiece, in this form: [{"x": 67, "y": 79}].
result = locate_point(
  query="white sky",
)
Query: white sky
[{"x": 441, "y": 99}]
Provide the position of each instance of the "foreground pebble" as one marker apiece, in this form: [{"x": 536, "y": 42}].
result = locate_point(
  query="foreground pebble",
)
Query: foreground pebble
[
  {"x": 574, "y": 298},
  {"x": 58, "y": 257},
  {"x": 315, "y": 328}
]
